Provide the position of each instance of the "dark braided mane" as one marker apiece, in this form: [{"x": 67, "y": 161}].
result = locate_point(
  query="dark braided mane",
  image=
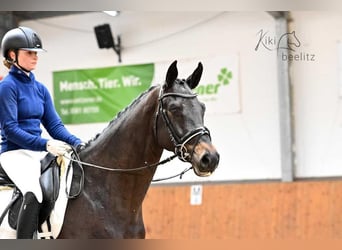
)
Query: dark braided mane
[
  {"x": 124, "y": 111},
  {"x": 133, "y": 103}
]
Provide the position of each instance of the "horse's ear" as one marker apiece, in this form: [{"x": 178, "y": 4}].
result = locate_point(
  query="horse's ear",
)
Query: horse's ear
[
  {"x": 171, "y": 74},
  {"x": 195, "y": 77}
]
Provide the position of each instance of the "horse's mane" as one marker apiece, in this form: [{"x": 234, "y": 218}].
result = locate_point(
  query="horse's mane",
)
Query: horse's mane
[
  {"x": 122, "y": 112},
  {"x": 133, "y": 103}
]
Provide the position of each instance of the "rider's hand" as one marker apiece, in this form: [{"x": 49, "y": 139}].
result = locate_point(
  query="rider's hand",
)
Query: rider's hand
[
  {"x": 80, "y": 147},
  {"x": 57, "y": 147}
]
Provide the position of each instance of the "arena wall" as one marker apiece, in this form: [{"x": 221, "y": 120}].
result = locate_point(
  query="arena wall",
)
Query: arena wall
[{"x": 265, "y": 210}]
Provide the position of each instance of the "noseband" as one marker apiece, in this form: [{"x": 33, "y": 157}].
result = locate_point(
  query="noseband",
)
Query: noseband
[{"x": 179, "y": 141}]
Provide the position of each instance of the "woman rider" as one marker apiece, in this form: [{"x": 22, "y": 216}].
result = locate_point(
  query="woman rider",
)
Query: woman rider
[{"x": 25, "y": 105}]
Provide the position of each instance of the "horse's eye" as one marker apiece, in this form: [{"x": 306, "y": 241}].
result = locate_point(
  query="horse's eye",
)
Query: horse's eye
[{"x": 175, "y": 109}]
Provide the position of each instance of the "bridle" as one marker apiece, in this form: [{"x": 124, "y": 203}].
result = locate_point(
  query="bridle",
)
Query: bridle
[{"x": 178, "y": 141}]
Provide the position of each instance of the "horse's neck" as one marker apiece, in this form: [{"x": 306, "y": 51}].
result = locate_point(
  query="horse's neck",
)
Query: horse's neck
[{"x": 127, "y": 143}]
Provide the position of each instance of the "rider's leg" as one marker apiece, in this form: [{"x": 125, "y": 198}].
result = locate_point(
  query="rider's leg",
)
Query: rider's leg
[{"x": 23, "y": 167}]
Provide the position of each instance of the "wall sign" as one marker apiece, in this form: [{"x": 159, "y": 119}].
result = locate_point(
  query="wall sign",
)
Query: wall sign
[
  {"x": 196, "y": 195},
  {"x": 97, "y": 95}
]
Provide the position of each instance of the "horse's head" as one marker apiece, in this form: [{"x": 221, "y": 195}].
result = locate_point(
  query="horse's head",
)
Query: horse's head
[{"x": 180, "y": 122}]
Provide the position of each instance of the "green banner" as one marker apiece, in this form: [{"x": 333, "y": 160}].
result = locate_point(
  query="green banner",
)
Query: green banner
[{"x": 97, "y": 95}]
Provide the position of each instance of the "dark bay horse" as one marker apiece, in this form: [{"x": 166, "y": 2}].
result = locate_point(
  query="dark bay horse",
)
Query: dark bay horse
[{"x": 164, "y": 117}]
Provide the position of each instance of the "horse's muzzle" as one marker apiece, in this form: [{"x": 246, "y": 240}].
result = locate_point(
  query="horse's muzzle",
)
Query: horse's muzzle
[{"x": 205, "y": 159}]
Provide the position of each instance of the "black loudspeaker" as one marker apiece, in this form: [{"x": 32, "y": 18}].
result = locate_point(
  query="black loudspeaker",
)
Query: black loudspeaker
[{"x": 104, "y": 36}]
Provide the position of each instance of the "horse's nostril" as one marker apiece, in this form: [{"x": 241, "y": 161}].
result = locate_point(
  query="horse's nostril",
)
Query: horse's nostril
[
  {"x": 209, "y": 161},
  {"x": 205, "y": 161}
]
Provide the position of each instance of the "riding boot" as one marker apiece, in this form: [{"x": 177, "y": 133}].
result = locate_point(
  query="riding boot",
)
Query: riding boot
[{"x": 28, "y": 217}]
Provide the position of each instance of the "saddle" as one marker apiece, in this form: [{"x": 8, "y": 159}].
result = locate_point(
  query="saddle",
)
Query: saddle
[{"x": 50, "y": 184}]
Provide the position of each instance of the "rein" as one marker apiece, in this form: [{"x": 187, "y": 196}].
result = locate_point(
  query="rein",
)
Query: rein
[
  {"x": 81, "y": 163},
  {"x": 121, "y": 169}
]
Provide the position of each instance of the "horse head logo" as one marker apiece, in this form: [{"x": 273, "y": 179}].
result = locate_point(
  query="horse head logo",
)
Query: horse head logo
[{"x": 288, "y": 41}]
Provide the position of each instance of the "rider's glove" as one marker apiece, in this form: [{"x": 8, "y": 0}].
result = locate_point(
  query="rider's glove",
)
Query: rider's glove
[
  {"x": 80, "y": 147},
  {"x": 57, "y": 147}
]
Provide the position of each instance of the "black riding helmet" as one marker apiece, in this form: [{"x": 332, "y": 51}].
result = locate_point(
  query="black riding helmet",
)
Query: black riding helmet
[{"x": 20, "y": 38}]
